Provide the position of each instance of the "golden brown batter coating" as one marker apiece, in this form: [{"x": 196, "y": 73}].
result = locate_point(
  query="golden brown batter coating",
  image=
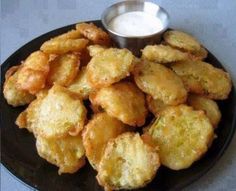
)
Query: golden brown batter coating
[
  {"x": 202, "y": 78},
  {"x": 124, "y": 101},
  {"x": 160, "y": 82}
]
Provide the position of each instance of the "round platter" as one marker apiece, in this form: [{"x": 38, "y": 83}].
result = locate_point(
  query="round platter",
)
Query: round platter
[{"x": 19, "y": 154}]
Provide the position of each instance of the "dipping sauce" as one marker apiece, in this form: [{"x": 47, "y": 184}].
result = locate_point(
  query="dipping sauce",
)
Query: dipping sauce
[{"x": 135, "y": 23}]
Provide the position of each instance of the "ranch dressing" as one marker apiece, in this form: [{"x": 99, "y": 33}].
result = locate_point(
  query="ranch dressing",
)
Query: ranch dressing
[{"x": 136, "y": 23}]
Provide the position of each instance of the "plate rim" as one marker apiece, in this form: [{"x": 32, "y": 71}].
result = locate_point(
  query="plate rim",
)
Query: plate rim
[{"x": 28, "y": 184}]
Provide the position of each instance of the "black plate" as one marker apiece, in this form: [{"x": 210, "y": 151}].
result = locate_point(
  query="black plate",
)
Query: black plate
[{"x": 19, "y": 155}]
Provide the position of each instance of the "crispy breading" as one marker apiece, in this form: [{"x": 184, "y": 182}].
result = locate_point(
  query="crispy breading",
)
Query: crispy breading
[
  {"x": 181, "y": 40},
  {"x": 57, "y": 114},
  {"x": 37, "y": 61},
  {"x": 198, "y": 55},
  {"x": 21, "y": 120},
  {"x": 63, "y": 69},
  {"x": 95, "y": 49},
  {"x": 33, "y": 73},
  {"x": 11, "y": 71},
  {"x": 109, "y": 66},
  {"x": 24, "y": 118},
  {"x": 14, "y": 95},
  {"x": 128, "y": 163},
  {"x": 182, "y": 134},
  {"x": 94, "y": 33},
  {"x": 72, "y": 34},
  {"x": 163, "y": 54},
  {"x": 122, "y": 100},
  {"x": 62, "y": 46},
  {"x": 42, "y": 93},
  {"x": 80, "y": 85},
  {"x": 155, "y": 105},
  {"x": 100, "y": 129},
  {"x": 202, "y": 78},
  {"x": 160, "y": 82},
  {"x": 67, "y": 153},
  {"x": 31, "y": 80},
  {"x": 209, "y": 106}
]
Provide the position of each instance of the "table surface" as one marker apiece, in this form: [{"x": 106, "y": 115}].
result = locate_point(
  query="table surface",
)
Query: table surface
[{"x": 211, "y": 21}]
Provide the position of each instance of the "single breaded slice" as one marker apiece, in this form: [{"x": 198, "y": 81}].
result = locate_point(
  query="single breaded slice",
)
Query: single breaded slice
[
  {"x": 94, "y": 33},
  {"x": 14, "y": 95},
  {"x": 203, "y": 78},
  {"x": 67, "y": 153},
  {"x": 181, "y": 40},
  {"x": 72, "y": 34},
  {"x": 122, "y": 100},
  {"x": 128, "y": 163},
  {"x": 163, "y": 54},
  {"x": 95, "y": 49},
  {"x": 209, "y": 106},
  {"x": 109, "y": 66},
  {"x": 100, "y": 129},
  {"x": 57, "y": 114},
  {"x": 37, "y": 60},
  {"x": 155, "y": 105},
  {"x": 182, "y": 134},
  {"x": 63, "y": 69},
  {"x": 62, "y": 46},
  {"x": 160, "y": 82},
  {"x": 80, "y": 85},
  {"x": 33, "y": 72}
]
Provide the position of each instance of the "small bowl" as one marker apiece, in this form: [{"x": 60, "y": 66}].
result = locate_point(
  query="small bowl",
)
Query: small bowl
[{"x": 135, "y": 43}]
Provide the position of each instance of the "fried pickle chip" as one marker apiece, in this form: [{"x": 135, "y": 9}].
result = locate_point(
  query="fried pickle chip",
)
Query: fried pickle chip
[
  {"x": 58, "y": 113},
  {"x": 67, "y": 153},
  {"x": 160, "y": 82},
  {"x": 94, "y": 33},
  {"x": 72, "y": 34},
  {"x": 37, "y": 61},
  {"x": 122, "y": 100},
  {"x": 202, "y": 78},
  {"x": 100, "y": 129},
  {"x": 163, "y": 54},
  {"x": 62, "y": 46},
  {"x": 63, "y": 69},
  {"x": 155, "y": 105},
  {"x": 209, "y": 106},
  {"x": 80, "y": 85},
  {"x": 182, "y": 134},
  {"x": 14, "y": 95},
  {"x": 109, "y": 66},
  {"x": 95, "y": 49},
  {"x": 128, "y": 163},
  {"x": 181, "y": 40},
  {"x": 33, "y": 73}
]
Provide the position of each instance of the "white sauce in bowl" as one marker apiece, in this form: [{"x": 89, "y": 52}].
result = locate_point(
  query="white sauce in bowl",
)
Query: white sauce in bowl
[{"x": 136, "y": 23}]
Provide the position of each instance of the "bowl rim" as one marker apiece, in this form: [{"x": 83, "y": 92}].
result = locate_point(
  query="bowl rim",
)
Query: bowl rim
[{"x": 108, "y": 9}]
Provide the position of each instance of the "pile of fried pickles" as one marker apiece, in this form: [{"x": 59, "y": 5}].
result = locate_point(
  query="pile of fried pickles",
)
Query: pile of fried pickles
[{"x": 170, "y": 82}]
